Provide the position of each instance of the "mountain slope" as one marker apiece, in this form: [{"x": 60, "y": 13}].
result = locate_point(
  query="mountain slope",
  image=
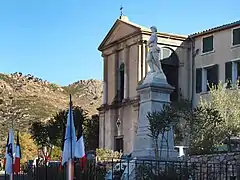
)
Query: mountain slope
[{"x": 25, "y": 98}]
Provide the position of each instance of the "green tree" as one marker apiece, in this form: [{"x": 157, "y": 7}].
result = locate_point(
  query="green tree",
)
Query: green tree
[
  {"x": 91, "y": 133},
  {"x": 29, "y": 149},
  {"x": 39, "y": 133},
  {"x": 57, "y": 126},
  {"x": 159, "y": 123},
  {"x": 52, "y": 133},
  {"x": 199, "y": 128},
  {"x": 56, "y": 153},
  {"x": 227, "y": 102},
  {"x": 204, "y": 130},
  {"x": 153, "y": 119},
  {"x": 185, "y": 113}
]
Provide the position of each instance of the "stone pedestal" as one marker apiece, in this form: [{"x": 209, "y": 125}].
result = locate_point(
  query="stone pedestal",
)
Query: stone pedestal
[{"x": 154, "y": 93}]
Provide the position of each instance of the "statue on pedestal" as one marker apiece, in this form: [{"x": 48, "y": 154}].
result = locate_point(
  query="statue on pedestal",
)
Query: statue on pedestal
[{"x": 153, "y": 56}]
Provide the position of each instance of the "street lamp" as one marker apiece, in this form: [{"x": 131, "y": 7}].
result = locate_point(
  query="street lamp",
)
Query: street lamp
[{"x": 118, "y": 123}]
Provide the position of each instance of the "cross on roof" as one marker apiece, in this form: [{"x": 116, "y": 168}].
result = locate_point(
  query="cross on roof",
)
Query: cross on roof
[{"x": 121, "y": 10}]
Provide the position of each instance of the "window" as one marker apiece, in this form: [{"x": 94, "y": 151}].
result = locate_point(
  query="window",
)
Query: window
[
  {"x": 212, "y": 76},
  {"x": 236, "y": 36},
  {"x": 119, "y": 144},
  {"x": 207, "y": 44},
  {"x": 232, "y": 72},
  {"x": 206, "y": 78},
  {"x": 121, "y": 82},
  {"x": 228, "y": 73},
  {"x": 166, "y": 53},
  {"x": 170, "y": 65}
]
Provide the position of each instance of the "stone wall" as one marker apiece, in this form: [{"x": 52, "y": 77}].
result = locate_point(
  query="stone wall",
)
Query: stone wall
[
  {"x": 216, "y": 158},
  {"x": 216, "y": 166}
]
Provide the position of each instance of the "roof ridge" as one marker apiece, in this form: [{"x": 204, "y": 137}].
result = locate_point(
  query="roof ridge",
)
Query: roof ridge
[
  {"x": 217, "y": 28},
  {"x": 148, "y": 29}
]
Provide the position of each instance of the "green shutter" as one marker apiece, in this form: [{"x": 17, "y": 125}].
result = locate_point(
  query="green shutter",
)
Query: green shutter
[
  {"x": 207, "y": 44},
  {"x": 228, "y": 73},
  {"x": 198, "y": 80},
  {"x": 236, "y": 36}
]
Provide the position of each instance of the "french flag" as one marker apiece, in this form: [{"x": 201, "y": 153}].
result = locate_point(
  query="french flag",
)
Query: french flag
[
  {"x": 17, "y": 156},
  {"x": 10, "y": 154},
  {"x": 5, "y": 157},
  {"x": 70, "y": 138},
  {"x": 79, "y": 148}
]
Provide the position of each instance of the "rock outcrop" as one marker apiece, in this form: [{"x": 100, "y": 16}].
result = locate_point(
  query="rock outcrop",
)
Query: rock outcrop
[{"x": 25, "y": 98}]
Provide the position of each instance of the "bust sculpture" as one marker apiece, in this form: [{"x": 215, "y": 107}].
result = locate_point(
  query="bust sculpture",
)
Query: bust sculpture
[{"x": 153, "y": 56}]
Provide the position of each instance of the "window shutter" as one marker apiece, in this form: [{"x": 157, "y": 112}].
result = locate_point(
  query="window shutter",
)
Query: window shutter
[
  {"x": 236, "y": 36},
  {"x": 198, "y": 80},
  {"x": 228, "y": 73},
  {"x": 207, "y": 44},
  {"x": 215, "y": 72}
]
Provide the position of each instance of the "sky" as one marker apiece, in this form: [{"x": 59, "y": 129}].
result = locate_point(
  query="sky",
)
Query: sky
[{"x": 57, "y": 40}]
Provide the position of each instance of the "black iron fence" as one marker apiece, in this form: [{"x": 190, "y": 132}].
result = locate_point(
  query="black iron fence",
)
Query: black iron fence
[{"x": 136, "y": 170}]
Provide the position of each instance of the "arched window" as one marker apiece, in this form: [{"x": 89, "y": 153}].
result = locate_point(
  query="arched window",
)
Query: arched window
[
  {"x": 121, "y": 82},
  {"x": 166, "y": 53},
  {"x": 169, "y": 56},
  {"x": 170, "y": 64}
]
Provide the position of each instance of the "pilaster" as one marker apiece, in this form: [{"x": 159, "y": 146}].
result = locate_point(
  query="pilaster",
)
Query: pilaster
[
  {"x": 139, "y": 61},
  {"x": 105, "y": 80},
  {"x": 102, "y": 127},
  {"x": 143, "y": 49},
  {"x": 126, "y": 73}
]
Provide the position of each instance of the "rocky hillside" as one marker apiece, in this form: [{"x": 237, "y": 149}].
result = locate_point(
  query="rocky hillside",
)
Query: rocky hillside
[{"x": 25, "y": 98}]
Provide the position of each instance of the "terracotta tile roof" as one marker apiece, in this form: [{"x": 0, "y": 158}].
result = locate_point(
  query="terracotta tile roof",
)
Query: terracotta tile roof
[{"x": 218, "y": 28}]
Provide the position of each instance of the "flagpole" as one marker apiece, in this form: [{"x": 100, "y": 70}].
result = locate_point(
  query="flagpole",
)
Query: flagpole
[
  {"x": 70, "y": 168},
  {"x": 11, "y": 176}
]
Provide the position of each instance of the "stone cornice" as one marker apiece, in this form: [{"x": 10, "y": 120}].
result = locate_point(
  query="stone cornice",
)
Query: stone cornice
[
  {"x": 120, "y": 40},
  {"x": 167, "y": 36}
]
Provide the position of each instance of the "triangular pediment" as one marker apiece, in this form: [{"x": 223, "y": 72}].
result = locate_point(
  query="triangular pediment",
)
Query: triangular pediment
[{"x": 119, "y": 30}]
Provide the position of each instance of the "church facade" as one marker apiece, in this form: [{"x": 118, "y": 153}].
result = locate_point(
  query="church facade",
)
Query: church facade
[{"x": 124, "y": 51}]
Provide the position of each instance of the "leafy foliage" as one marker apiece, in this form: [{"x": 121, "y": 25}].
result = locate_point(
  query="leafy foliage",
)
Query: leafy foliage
[
  {"x": 53, "y": 132},
  {"x": 227, "y": 102},
  {"x": 205, "y": 130},
  {"x": 91, "y": 133},
  {"x": 106, "y": 154},
  {"x": 56, "y": 153},
  {"x": 160, "y": 123},
  {"x": 185, "y": 117},
  {"x": 196, "y": 127},
  {"x": 39, "y": 133},
  {"x": 28, "y": 147}
]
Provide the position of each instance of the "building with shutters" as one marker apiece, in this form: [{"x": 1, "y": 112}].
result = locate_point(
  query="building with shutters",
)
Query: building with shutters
[
  {"x": 190, "y": 62},
  {"x": 218, "y": 58}
]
